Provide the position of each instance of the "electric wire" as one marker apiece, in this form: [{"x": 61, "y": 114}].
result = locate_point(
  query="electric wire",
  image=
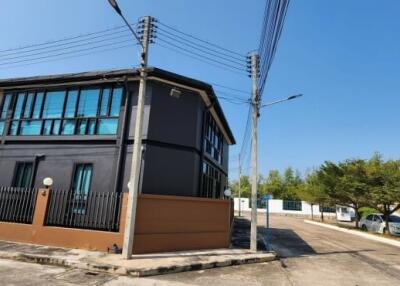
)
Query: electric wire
[
  {"x": 200, "y": 55},
  {"x": 198, "y": 39},
  {"x": 201, "y": 59},
  {"x": 204, "y": 50},
  {"x": 65, "y": 39}
]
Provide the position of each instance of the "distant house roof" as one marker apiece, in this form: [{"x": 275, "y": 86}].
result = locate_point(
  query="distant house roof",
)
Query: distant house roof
[{"x": 13, "y": 83}]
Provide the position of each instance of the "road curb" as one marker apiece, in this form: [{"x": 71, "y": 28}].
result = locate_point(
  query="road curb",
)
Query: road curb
[
  {"x": 358, "y": 233},
  {"x": 140, "y": 272}
]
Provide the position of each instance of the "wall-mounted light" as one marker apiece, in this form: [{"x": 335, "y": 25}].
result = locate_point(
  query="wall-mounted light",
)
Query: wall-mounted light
[
  {"x": 176, "y": 93},
  {"x": 228, "y": 193},
  {"x": 47, "y": 182}
]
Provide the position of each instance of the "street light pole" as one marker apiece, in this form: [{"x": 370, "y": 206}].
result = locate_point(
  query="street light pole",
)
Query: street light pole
[
  {"x": 133, "y": 185},
  {"x": 129, "y": 234},
  {"x": 281, "y": 100}
]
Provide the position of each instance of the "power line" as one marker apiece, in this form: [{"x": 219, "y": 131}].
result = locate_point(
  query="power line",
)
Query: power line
[
  {"x": 201, "y": 59},
  {"x": 274, "y": 17},
  {"x": 200, "y": 55},
  {"x": 230, "y": 88},
  {"x": 66, "y": 48},
  {"x": 64, "y": 53},
  {"x": 198, "y": 39},
  {"x": 204, "y": 50},
  {"x": 197, "y": 44},
  {"x": 64, "y": 39},
  {"x": 67, "y": 57}
]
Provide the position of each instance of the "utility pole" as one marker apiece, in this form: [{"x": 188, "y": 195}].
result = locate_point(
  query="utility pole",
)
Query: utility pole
[
  {"x": 240, "y": 189},
  {"x": 254, "y": 176},
  {"x": 133, "y": 185}
]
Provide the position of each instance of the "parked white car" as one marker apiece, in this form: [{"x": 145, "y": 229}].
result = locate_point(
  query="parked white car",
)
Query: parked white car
[{"x": 376, "y": 223}]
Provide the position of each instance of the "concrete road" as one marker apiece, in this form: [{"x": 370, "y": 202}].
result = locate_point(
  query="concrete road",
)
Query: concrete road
[{"x": 311, "y": 255}]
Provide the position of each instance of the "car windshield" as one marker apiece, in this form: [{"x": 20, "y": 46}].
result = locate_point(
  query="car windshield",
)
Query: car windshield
[{"x": 394, "y": 218}]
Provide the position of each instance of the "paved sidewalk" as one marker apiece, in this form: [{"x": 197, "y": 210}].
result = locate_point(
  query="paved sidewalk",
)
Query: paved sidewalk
[
  {"x": 138, "y": 266},
  {"x": 145, "y": 264}
]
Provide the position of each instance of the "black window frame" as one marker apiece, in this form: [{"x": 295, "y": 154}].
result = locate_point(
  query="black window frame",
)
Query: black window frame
[
  {"x": 213, "y": 139},
  {"x": 292, "y": 205},
  {"x": 79, "y": 202},
  {"x": 327, "y": 209},
  {"x": 17, "y": 166},
  {"x": 14, "y": 128}
]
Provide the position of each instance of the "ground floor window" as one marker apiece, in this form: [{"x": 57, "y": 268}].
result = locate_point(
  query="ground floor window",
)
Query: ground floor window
[
  {"x": 291, "y": 205},
  {"x": 327, "y": 209},
  {"x": 213, "y": 181},
  {"x": 23, "y": 174},
  {"x": 81, "y": 186}
]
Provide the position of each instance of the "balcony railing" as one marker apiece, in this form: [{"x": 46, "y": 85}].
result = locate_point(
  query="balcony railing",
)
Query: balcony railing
[
  {"x": 96, "y": 210},
  {"x": 17, "y": 204}
]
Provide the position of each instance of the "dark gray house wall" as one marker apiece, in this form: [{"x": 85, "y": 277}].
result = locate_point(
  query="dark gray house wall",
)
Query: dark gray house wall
[{"x": 173, "y": 138}]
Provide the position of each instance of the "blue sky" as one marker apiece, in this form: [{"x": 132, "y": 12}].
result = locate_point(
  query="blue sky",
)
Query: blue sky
[{"x": 344, "y": 56}]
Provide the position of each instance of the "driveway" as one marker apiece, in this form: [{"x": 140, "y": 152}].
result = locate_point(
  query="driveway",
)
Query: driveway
[{"x": 310, "y": 255}]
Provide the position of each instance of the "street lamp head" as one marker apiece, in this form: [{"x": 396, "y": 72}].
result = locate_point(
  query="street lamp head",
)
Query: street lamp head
[
  {"x": 114, "y": 4},
  {"x": 294, "y": 96}
]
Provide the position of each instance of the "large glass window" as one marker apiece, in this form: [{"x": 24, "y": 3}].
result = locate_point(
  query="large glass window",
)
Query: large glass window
[
  {"x": 23, "y": 174},
  {"x": 212, "y": 183},
  {"x": 116, "y": 102},
  {"x": 4, "y": 106},
  {"x": 18, "y": 105},
  {"x": 77, "y": 111},
  {"x": 88, "y": 102},
  {"x": 30, "y": 127},
  {"x": 82, "y": 179},
  {"x": 81, "y": 187},
  {"x": 70, "y": 108},
  {"x": 28, "y": 105},
  {"x": 37, "y": 108},
  {"x": 1, "y": 127},
  {"x": 213, "y": 139},
  {"x": 53, "y": 104}
]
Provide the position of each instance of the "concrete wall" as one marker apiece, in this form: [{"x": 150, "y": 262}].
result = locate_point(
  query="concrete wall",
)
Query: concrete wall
[
  {"x": 164, "y": 223},
  {"x": 276, "y": 207},
  {"x": 167, "y": 223}
]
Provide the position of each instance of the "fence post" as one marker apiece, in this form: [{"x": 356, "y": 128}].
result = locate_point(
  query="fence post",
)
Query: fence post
[{"x": 42, "y": 202}]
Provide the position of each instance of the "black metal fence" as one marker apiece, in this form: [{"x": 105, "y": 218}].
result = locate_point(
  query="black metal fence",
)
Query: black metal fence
[
  {"x": 17, "y": 204},
  {"x": 98, "y": 211}
]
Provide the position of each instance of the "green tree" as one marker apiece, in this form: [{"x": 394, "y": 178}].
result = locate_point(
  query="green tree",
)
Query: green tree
[
  {"x": 245, "y": 187},
  {"x": 384, "y": 183},
  {"x": 273, "y": 184},
  {"x": 313, "y": 192},
  {"x": 346, "y": 183}
]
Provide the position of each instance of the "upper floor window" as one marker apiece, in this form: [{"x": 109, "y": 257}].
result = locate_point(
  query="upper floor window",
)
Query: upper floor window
[
  {"x": 75, "y": 111},
  {"x": 213, "y": 139},
  {"x": 4, "y": 106}
]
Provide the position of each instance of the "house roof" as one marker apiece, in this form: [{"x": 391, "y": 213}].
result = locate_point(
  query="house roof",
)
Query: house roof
[{"x": 13, "y": 83}]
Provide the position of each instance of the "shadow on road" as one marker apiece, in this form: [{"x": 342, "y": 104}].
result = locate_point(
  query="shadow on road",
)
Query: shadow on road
[{"x": 286, "y": 242}]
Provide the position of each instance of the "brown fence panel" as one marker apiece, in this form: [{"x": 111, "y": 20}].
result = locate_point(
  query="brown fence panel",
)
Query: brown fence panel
[{"x": 169, "y": 223}]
